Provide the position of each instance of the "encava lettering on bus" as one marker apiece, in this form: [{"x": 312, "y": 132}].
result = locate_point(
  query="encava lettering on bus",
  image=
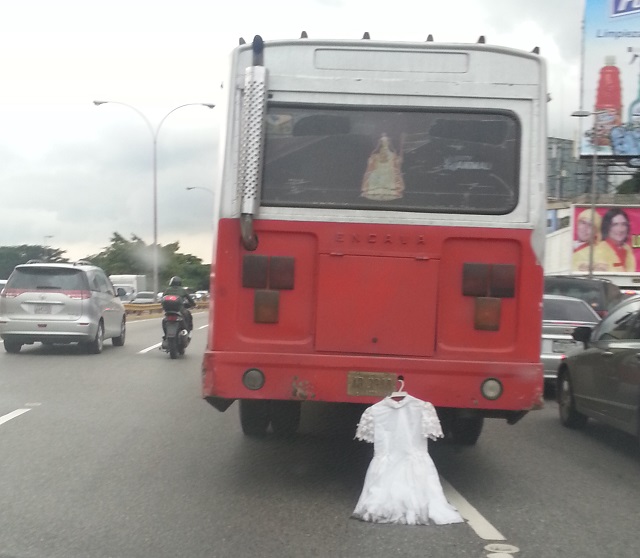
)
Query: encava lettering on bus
[
  {"x": 375, "y": 239},
  {"x": 380, "y": 216}
]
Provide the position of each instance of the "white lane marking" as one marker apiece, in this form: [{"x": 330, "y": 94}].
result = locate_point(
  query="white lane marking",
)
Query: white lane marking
[
  {"x": 149, "y": 348},
  {"x": 204, "y": 326},
  {"x": 474, "y": 518},
  {"x": 12, "y": 415},
  {"x": 500, "y": 550}
]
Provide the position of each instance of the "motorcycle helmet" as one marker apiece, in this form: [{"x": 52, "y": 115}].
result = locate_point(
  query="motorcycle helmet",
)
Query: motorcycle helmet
[{"x": 175, "y": 282}]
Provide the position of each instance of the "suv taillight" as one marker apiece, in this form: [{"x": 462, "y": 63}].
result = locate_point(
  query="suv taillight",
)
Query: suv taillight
[
  {"x": 78, "y": 295},
  {"x": 11, "y": 293}
]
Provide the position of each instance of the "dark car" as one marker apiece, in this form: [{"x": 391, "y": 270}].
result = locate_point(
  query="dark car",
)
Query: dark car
[
  {"x": 602, "y": 381},
  {"x": 601, "y": 294}
]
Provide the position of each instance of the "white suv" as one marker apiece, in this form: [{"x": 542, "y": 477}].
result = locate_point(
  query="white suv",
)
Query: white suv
[{"x": 60, "y": 303}]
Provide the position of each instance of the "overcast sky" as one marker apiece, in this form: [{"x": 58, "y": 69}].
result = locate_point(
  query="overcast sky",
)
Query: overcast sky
[{"x": 72, "y": 173}]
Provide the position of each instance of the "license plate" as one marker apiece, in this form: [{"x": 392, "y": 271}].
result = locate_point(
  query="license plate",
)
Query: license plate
[
  {"x": 172, "y": 329},
  {"x": 42, "y": 309},
  {"x": 377, "y": 384},
  {"x": 563, "y": 346}
]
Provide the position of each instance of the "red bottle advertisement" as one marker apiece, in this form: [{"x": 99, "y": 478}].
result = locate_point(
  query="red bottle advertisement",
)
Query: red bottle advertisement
[{"x": 608, "y": 107}]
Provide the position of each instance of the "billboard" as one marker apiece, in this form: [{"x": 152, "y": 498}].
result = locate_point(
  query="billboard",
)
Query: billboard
[
  {"x": 616, "y": 247},
  {"x": 611, "y": 79}
]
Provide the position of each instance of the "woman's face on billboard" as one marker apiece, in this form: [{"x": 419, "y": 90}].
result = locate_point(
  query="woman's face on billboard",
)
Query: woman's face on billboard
[{"x": 619, "y": 229}]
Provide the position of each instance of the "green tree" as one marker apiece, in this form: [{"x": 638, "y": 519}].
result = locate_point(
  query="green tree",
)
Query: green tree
[
  {"x": 124, "y": 256},
  {"x": 134, "y": 257},
  {"x": 194, "y": 274},
  {"x": 11, "y": 256},
  {"x": 630, "y": 186}
]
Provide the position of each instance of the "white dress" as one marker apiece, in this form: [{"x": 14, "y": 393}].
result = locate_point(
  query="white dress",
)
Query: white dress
[{"x": 402, "y": 484}]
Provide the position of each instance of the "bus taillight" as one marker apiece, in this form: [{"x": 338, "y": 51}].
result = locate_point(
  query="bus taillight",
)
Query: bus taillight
[
  {"x": 488, "y": 283},
  {"x": 266, "y": 306},
  {"x": 268, "y": 275},
  {"x": 487, "y": 313}
]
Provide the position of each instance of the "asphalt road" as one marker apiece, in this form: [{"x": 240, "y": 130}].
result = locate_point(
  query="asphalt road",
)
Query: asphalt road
[{"x": 117, "y": 456}]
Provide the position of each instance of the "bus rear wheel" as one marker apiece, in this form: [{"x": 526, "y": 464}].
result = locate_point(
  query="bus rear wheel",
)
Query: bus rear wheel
[
  {"x": 255, "y": 415},
  {"x": 465, "y": 431},
  {"x": 285, "y": 417}
]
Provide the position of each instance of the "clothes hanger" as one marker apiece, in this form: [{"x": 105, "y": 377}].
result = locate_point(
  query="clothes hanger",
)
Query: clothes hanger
[{"x": 400, "y": 393}]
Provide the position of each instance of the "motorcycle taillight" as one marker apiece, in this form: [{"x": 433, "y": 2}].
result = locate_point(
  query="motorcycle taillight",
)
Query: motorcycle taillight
[{"x": 172, "y": 318}]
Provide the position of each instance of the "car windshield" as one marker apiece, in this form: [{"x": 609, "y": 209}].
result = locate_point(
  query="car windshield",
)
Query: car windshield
[
  {"x": 570, "y": 288},
  {"x": 47, "y": 279},
  {"x": 555, "y": 309}
]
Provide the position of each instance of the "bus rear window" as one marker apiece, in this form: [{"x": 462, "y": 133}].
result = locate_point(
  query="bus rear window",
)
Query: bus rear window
[{"x": 423, "y": 161}]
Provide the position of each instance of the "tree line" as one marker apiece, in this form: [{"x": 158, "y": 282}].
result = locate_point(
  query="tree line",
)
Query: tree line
[{"x": 121, "y": 257}]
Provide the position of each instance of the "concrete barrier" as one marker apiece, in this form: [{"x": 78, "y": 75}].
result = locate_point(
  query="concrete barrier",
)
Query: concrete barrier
[{"x": 156, "y": 308}]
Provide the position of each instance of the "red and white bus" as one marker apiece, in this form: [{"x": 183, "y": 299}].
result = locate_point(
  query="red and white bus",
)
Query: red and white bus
[{"x": 381, "y": 215}]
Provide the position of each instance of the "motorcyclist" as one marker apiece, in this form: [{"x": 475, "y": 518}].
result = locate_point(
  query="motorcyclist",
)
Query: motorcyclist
[{"x": 176, "y": 288}]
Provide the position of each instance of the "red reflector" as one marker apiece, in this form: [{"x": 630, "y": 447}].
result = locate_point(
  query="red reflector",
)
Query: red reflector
[
  {"x": 172, "y": 317},
  {"x": 487, "y": 314}
]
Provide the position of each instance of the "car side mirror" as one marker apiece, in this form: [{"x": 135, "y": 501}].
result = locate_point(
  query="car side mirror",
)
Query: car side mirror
[
  {"x": 582, "y": 334},
  {"x": 120, "y": 292}
]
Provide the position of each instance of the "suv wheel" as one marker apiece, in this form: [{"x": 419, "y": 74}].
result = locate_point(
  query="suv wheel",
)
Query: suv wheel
[
  {"x": 12, "y": 346},
  {"x": 95, "y": 347},
  {"x": 119, "y": 341}
]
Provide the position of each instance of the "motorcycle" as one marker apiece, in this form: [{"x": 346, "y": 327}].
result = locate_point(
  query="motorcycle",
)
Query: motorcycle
[{"x": 176, "y": 334}]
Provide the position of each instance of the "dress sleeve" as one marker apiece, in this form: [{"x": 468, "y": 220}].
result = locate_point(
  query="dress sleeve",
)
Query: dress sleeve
[
  {"x": 365, "y": 428},
  {"x": 431, "y": 427}
]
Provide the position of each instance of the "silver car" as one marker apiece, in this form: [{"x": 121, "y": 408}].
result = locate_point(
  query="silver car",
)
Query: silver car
[
  {"x": 560, "y": 316},
  {"x": 60, "y": 303},
  {"x": 144, "y": 297}
]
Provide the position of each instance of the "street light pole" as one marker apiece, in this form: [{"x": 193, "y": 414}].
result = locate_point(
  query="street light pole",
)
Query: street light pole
[
  {"x": 46, "y": 244},
  {"x": 154, "y": 134},
  {"x": 594, "y": 166}
]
